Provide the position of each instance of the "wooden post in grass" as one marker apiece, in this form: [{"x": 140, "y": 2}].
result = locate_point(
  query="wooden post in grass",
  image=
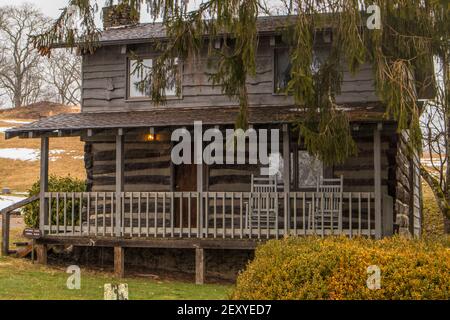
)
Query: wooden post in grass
[
  {"x": 119, "y": 262},
  {"x": 41, "y": 251},
  {"x": 199, "y": 266},
  {"x": 5, "y": 233}
]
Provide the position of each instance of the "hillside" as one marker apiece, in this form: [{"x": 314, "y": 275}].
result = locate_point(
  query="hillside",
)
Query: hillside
[
  {"x": 37, "y": 110},
  {"x": 19, "y": 158}
]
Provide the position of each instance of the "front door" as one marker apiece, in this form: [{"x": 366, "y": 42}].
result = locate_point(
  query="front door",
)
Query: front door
[{"x": 186, "y": 181}]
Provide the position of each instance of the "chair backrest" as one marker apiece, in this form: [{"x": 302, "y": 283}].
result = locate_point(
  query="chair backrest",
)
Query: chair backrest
[
  {"x": 264, "y": 184},
  {"x": 334, "y": 187},
  {"x": 330, "y": 185},
  {"x": 267, "y": 184}
]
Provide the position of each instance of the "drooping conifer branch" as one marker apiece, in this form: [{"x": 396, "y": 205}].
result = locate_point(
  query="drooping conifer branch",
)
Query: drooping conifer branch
[{"x": 412, "y": 32}]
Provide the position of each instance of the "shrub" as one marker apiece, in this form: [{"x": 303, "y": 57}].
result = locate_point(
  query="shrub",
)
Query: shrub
[
  {"x": 55, "y": 184},
  {"x": 336, "y": 268}
]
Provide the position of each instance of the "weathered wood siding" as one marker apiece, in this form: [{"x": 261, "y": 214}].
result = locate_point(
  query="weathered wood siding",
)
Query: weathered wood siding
[{"x": 105, "y": 82}]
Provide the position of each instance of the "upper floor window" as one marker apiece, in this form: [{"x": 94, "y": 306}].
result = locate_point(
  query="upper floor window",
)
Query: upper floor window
[
  {"x": 283, "y": 66},
  {"x": 140, "y": 77}
]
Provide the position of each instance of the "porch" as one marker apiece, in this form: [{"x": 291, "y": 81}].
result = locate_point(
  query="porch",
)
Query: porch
[{"x": 178, "y": 202}]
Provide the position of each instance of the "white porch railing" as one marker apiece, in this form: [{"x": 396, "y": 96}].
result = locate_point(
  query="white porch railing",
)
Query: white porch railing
[{"x": 226, "y": 215}]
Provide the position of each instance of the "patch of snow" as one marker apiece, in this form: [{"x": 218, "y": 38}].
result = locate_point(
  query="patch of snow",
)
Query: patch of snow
[
  {"x": 23, "y": 154},
  {"x": 6, "y": 201},
  {"x": 26, "y": 154},
  {"x": 56, "y": 152},
  {"x": 16, "y": 121},
  {"x": 3, "y": 129}
]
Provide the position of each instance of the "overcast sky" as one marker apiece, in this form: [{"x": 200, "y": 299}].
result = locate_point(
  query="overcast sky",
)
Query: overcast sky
[
  {"x": 52, "y": 8},
  {"x": 48, "y": 7}
]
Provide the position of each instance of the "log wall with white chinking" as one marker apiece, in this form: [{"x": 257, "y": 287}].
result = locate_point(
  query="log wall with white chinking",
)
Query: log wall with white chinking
[
  {"x": 403, "y": 188},
  {"x": 408, "y": 204},
  {"x": 358, "y": 170},
  {"x": 147, "y": 165},
  {"x": 416, "y": 201},
  {"x": 105, "y": 82}
]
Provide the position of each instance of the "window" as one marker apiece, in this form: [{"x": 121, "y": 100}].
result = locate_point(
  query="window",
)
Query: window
[
  {"x": 282, "y": 65},
  {"x": 308, "y": 170},
  {"x": 282, "y": 69},
  {"x": 139, "y": 85}
]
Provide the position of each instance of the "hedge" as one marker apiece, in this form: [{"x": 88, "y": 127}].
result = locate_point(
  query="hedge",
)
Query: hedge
[
  {"x": 55, "y": 184},
  {"x": 337, "y": 269}
]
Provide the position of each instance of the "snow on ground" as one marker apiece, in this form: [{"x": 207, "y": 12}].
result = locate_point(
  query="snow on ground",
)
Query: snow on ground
[
  {"x": 3, "y": 129},
  {"x": 429, "y": 162},
  {"x": 23, "y": 154},
  {"x": 6, "y": 201},
  {"x": 26, "y": 154},
  {"x": 16, "y": 121}
]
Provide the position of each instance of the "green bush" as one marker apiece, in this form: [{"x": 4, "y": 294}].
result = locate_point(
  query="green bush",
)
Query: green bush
[
  {"x": 55, "y": 184},
  {"x": 336, "y": 268}
]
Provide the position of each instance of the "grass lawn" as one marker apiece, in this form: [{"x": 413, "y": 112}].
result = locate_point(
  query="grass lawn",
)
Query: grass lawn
[{"x": 21, "y": 280}]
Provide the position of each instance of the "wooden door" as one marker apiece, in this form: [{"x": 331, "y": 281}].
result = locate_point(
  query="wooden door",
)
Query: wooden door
[{"x": 185, "y": 181}]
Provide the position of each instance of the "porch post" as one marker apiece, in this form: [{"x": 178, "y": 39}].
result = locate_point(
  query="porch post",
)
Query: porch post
[
  {"x": 377, "y": 178},
  {"x": 286, "y": 177},
  {"x": 198, "y": 159},
  {"x": 199, "y": 266},
  {"x": 5, "y": 233},
  {"x": 43, "y": 205},
  {"x": 119, "y": 178}
]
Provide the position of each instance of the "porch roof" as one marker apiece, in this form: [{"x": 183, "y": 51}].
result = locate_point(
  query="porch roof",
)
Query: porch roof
[{"x": 64, "y": 124}]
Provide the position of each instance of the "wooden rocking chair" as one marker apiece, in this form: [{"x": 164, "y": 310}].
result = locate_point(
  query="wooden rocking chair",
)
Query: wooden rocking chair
[
  {"x": 262, "y": 211},
  {"x": 326, "y": 212}
]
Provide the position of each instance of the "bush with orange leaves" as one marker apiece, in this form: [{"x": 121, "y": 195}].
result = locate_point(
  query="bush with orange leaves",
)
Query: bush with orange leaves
[{"x": 337, "y": 268}]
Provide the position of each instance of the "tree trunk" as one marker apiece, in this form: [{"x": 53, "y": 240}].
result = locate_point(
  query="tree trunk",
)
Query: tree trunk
[{"x": 446, "y": 102}]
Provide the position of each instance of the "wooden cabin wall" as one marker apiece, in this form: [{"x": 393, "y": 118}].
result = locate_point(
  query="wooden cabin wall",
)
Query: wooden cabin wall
[
  {"x": 416, "y": 202},
  {"x": 105, "y": 82},
  {"x": 147, "y": 164},
  {"x": 358, "y": 170},
  {"x": 408, "y": 201}
]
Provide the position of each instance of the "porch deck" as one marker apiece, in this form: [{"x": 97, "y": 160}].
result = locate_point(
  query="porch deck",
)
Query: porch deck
[{"x": 205, "y": 215}]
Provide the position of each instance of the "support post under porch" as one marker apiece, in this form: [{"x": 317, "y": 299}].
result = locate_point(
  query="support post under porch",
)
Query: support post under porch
[
  {"x": 199, "y": 266},
  {"x": 41, "y": 252},
  {"x": 119, "y": 262}
]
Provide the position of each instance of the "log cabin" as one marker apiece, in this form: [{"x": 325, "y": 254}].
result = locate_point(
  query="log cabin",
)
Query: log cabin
[{"x": 137, "y": 197}]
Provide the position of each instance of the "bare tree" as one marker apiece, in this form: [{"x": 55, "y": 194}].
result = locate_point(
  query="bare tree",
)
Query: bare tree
[
  {"x": 63, "y": 73},
  {"x": 436, "y": 132},
  {"x": 20, "y": 73}
]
